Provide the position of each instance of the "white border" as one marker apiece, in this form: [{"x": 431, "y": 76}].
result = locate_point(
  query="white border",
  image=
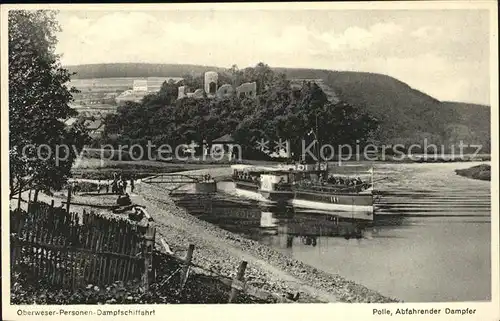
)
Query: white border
[{"x": 485, "y": 310}]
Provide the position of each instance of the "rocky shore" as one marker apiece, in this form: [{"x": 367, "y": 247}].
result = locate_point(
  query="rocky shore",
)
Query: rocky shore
[
  {"x": 481, "y": 172},
  {"x": 221, "y": 251}
]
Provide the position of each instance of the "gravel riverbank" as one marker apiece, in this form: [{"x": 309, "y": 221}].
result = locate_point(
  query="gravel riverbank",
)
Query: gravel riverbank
[{"x": 222, "y": 251}]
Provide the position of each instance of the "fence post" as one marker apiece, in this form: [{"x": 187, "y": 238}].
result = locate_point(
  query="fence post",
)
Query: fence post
[
  {"x": 238, "y": 277},
  {"x": 13, "y": 245},
  {"x": 35, "y": 196},
  {"x": 187, "y": 263},
  {"x": 149, "y": 242},
  {"x": 52, "y": 203},
  {"x": 68, "y": 200}
]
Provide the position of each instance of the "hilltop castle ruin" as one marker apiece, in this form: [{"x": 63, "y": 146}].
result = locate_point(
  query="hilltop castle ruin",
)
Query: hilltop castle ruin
[{"x": 211, "y": 90}]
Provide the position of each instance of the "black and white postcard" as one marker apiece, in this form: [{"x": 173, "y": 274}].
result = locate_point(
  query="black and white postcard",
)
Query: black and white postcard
[{"x": 276, "y": 161}]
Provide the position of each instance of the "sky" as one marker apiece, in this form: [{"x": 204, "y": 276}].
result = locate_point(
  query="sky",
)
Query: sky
[{"x": 444, "y": 53}]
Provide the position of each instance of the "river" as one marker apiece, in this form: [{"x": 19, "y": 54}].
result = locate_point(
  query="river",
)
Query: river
[{"x": 430, "y": 241}]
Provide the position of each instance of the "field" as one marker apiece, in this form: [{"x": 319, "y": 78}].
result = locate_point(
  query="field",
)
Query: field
[
  {"x": 101, "y": 92},
  {"x": 115, "y": 84}
]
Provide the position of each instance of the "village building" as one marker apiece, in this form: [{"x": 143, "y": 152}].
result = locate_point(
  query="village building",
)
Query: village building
[
  {"x": 226, "y": 144},
  {"x": 130, "y": 95},
  {"x": 95, "y": 127}
]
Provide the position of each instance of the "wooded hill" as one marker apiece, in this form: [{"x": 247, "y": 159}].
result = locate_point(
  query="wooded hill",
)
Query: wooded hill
[{"x": 406, "y": 115}]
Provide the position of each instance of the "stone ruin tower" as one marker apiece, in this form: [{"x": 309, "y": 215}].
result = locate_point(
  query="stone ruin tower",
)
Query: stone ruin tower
[{"x": 211, "y": 78}]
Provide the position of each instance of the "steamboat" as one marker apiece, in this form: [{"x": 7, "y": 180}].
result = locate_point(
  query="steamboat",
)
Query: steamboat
[{"x": 308, "y": 187}]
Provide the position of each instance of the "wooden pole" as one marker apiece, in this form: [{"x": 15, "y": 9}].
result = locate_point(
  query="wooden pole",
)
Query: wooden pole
[
  {"x": 239, "y": 277},
  {"x": 165, "y": 246},
  {"x": 19, "y": 196},
  {"x": 52, "y": 203},
  {"x": 187, "y": 263},
  {"x": 68, "y": 200},
  {"x": 148, "y": 256},
  {"x": 35, "y": 196},
  {"x": 29, "y": 200}
]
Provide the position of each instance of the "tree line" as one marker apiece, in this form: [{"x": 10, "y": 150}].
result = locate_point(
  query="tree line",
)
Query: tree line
[{"x": 280, "y": 111}]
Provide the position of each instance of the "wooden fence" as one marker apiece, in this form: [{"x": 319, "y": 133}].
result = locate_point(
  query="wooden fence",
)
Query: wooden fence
[{"x": 68, "y": 250}]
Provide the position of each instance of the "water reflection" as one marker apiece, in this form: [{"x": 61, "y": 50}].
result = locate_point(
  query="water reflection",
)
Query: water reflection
[{"x": 283, "y": 226}]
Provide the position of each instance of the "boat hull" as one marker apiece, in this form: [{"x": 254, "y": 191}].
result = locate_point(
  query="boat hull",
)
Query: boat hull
[
  {"x": 247, "y": 186},
  {"x": 356, "y": 207},
  {"x": 356, "y": 212}
]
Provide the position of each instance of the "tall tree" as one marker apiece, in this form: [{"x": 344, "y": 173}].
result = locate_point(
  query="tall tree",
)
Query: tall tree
[{"x": 42, "y": 147}]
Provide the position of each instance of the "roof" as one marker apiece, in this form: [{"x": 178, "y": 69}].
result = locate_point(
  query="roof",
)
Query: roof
[
  {"x": 224, "y": 139},
  {"x": 71, "y": 121},
  {"x": 93, "y": 124}
]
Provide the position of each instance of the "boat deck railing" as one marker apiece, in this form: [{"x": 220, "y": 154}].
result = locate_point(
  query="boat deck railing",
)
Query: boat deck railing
[{"x": 331, "y": 189}]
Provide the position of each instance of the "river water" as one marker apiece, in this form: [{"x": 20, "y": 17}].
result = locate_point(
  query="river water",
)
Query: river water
[{"x": 430, "y": 241}]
